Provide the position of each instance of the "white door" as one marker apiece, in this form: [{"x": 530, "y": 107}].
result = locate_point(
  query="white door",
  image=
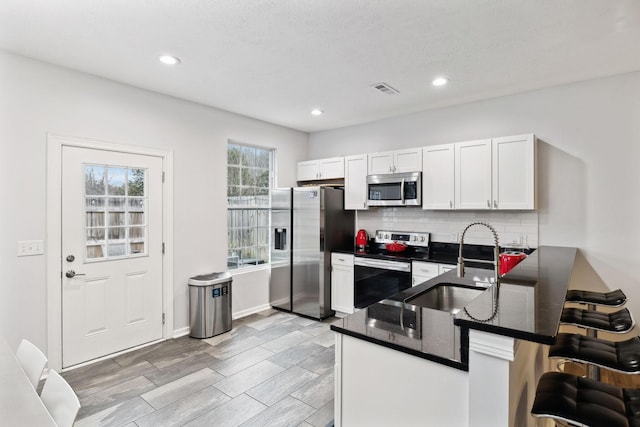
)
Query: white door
[
  {"x": 111, "y": 252},
  {"x": 380, "y": 163},
  {"x": 473, "y": 174},
  {"x": 514, "y": 172},
  {"x": 438, "y": 177},
  {"x": 407, "y": 160},
  {"x": 332, "y": 168},
  {"x": 355, "y": 182}
]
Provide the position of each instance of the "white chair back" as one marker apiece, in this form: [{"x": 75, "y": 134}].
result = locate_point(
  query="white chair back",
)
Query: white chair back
[
  {"x": 60, "y": 399},
  {"x": 32, "y": 360}
]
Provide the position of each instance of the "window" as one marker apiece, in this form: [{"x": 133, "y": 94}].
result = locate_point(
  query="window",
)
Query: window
[
  {"x": 249, "y": 178},
  {"x": 115, "y": 212}
]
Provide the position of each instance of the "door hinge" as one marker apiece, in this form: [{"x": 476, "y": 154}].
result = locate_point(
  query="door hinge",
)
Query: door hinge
[
  {"x": 162, "y": 248},
  {"x": 163, "y": 177},
  {"x": 163, "y": 318}
]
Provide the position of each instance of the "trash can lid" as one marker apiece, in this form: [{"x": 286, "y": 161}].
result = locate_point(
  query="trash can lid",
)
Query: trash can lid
[{"x": 210, "y": 279}]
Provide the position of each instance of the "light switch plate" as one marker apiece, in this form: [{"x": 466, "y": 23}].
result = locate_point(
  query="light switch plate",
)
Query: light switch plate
[{"x": 30, "y": 247}]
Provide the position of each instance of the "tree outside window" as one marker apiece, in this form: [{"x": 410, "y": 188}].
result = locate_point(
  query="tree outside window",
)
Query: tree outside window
[{"x": 249, "y": 178}]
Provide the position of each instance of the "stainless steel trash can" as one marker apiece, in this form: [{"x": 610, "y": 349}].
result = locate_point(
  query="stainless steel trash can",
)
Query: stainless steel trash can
[{"x": 210, "y": 304}]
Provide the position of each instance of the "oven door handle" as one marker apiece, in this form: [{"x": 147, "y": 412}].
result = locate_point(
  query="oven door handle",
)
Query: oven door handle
[
  {"x": 382, "y": 264},
  {"x": 402, "y": 191}
]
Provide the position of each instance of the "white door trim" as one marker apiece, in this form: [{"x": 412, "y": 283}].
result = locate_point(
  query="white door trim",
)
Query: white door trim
[{"x": 55, "y": 143}]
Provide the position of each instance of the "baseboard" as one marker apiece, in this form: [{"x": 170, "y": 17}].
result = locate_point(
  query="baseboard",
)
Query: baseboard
[
  {"x": 181, "y": 332},
  {"x": 237, "y": 315},
  {"x": 249, "y": 311}
]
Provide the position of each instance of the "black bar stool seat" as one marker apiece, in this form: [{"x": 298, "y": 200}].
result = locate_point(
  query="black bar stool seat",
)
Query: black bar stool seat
[
  {"x": 615, "y": 298},
  {"x": 618, "y": 322},
  {"x": 622, "y": 356},
  {"x": 585, "y": 402}
]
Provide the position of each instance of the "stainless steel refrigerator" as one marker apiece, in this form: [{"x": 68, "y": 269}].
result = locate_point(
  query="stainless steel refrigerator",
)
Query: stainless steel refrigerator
[{"x": 307, "y": 224}]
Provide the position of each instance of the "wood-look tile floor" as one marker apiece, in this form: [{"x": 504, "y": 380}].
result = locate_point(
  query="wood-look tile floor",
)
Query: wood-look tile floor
[{"x": 271, "y": 369}]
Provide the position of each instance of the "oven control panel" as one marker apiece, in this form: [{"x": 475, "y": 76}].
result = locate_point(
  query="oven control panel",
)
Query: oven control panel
[{"x": 408, "y": 238}]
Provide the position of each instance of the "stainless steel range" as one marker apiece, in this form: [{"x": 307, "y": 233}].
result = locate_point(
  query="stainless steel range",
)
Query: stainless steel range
[{"x": 379, "y": 272}]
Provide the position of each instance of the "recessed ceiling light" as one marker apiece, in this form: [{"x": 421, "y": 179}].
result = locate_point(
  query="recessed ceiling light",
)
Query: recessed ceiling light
[
  {"x": 440, "y": 81},
  {"x": 169, "y": 60},
  {"x": 317, "y": 112}
]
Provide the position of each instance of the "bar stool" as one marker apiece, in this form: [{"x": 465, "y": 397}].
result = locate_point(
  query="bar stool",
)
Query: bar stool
[
  {"x": 617, "y": 322},
  {"x": 620, "y": 356},
  {"x": 585, "y": 402},
  {"x": 592, "y": 320},
  {"x": 615, "y": 298}
]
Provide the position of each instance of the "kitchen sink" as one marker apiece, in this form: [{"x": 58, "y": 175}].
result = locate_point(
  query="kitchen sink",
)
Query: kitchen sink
[{"x": 449, "y": 297}]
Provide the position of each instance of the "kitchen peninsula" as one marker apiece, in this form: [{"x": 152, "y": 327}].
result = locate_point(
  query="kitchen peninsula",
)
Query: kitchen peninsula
[{"x": 408, "y": 361}]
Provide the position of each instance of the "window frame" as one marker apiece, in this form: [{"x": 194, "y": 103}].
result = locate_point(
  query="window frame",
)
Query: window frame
[{"x": 253, "y": 208}]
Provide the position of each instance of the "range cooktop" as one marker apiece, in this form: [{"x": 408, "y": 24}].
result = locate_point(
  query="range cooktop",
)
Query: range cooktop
[{"x": 417, "y": 245}]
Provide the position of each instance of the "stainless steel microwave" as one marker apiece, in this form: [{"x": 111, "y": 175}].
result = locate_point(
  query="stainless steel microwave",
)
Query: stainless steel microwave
[{"x": 398, "y": 189}]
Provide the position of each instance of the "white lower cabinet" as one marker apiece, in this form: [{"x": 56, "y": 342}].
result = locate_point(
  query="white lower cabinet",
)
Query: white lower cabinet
[
  {"x": 342, "y": 282},
  {"x": 422, "y": 271}
]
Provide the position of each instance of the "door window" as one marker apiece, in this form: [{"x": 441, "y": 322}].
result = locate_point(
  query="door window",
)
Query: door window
[{"x": 116, "y": 220}]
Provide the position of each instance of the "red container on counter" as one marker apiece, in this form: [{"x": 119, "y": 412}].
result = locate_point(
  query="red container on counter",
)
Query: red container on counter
[
  {"x": 362, "y": 239},
  {"x": 510, "y": 259}
]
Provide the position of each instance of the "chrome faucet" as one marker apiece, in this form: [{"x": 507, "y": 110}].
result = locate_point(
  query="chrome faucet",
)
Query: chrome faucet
[{"x": 496, "y": 252}]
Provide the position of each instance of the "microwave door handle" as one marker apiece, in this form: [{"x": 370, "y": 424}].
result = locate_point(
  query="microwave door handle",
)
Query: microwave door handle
[{"x": 402, "y": 191}]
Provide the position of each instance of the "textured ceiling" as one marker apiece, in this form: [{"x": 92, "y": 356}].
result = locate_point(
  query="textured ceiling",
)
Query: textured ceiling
[{"x": 275, "y": 60}]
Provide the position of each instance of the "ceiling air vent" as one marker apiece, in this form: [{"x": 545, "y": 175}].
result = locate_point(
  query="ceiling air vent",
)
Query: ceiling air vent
[{"x": 385, "y": 88}]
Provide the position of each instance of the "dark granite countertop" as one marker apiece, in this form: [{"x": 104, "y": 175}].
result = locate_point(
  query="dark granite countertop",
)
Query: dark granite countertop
[
  {"x": 437, "y": 252},
  {"x": 526, "y": 305}
]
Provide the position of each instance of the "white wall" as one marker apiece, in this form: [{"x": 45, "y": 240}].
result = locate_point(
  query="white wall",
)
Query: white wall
[
  {"x": 37, "y": 98},
  {"x": 588, "y": 162}
]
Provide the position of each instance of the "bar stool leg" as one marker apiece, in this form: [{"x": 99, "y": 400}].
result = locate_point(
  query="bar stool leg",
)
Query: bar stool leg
[{"x": 593, "y": 371}]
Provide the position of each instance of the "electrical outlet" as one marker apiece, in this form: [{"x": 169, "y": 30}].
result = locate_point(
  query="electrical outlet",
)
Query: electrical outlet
[
  {"x": 30, "y": 247},
  {"x": 523, "y": 240}
]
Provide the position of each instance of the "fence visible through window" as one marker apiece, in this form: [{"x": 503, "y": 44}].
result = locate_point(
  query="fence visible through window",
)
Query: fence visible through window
[
  {"x": 249, "y": 178},
  {"x": 116, "y": 218}
]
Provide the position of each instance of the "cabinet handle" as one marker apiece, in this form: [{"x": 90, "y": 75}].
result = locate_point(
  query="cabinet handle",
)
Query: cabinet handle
[
  {"x": 364, "y": 204},
  {"x": 488, "y": 204},
  {"x": 390, "y": 169},
  {"x": 414, "y": 280},
  {"x": 495, "y": 204},
  {"x": 450, "y": 204}
]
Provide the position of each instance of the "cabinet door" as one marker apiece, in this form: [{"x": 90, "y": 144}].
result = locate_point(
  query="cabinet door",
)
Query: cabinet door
[
  {"x": 331, "y": 168},
  {"x": 473, "y": 174},
  {"x": 422, "y": 271},
  {"x": 355, "y": 182},
  {"x": 407, "y": 160},
  {"x": 514, "y": 172},
  {"x": 438, "y": 191},
  {"x": 307, "y": 171},
  {"x": 380, "y": 163},
  {"x": 342, "y": 298}
]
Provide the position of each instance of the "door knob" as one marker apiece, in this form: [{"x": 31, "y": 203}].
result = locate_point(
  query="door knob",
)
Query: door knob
[
  {"x": 70, "y": 258},
  {"x": 71, "y": 274}
]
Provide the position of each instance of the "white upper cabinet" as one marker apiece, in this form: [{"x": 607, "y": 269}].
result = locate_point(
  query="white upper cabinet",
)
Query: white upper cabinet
[
  {"x": 307, "y": 171},
  {"x": 355, "y": 182},
  {"x": 398, "y": 161},
  {"x": 438, "y": 191},
  {"x": 514, "y": 165},
  {"x": 311, "y": 170},
  {"x": 496, "y": 173},
  {"x": 473, "y": 174}
]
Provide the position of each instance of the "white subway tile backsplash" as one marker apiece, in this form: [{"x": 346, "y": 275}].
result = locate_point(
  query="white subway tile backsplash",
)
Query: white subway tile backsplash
[{"x": 513, "y": 228}]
